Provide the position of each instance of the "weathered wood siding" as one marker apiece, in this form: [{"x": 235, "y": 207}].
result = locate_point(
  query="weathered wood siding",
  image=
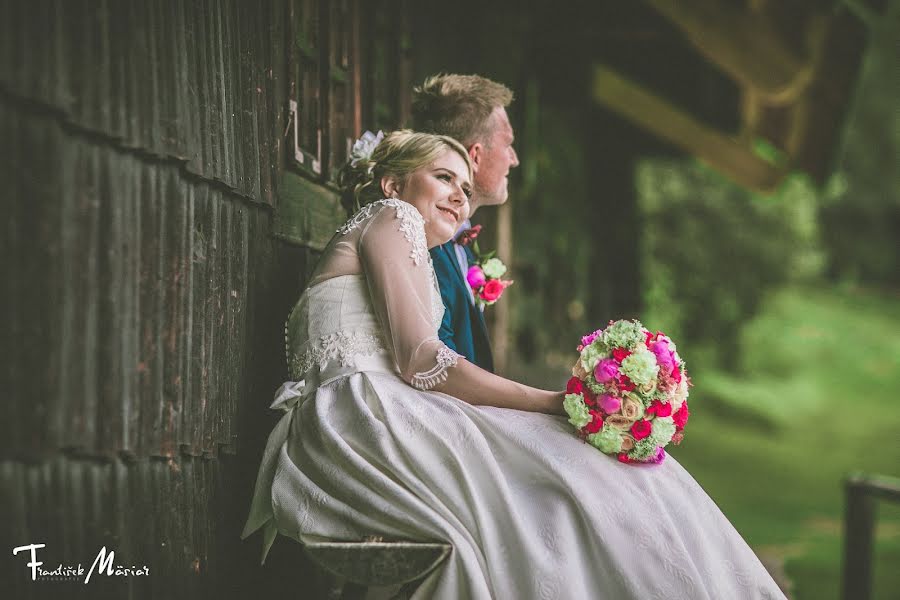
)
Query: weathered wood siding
[
  {"x": 192, "y": 80},
  {"x": 144, "y": 288},
  {"x": 136, "y": 281}
]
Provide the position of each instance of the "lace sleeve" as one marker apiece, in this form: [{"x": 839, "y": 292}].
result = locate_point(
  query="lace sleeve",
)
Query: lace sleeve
[{"x": 399, "y": 274}]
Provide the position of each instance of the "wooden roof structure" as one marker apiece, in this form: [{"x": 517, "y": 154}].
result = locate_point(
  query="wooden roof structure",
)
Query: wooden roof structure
[{"x": 796, "y": 64}]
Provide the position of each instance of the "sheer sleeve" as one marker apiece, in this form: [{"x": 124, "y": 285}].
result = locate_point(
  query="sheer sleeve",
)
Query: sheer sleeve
[{"x": 395, "y": 261}]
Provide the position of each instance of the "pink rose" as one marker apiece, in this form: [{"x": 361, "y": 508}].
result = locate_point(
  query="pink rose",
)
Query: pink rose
[
  {"x": 493, "y": 289},
  {"x": 475, "y": 277},
  {"x": 587, "y": 339},
  {"x": 664, "y": 357},
  {"x": 658, "y": 457},
  {"x": 641, "y": 429},
  {"x": 606, "y": 370},
  {"x": 609, "y": 403}
]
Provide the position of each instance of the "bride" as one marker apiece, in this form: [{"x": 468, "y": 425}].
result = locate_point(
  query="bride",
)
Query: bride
[{"x": 390, "y": 433}]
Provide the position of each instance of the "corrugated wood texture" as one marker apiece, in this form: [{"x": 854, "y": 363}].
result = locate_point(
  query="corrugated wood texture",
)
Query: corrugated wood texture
[
  {"x": 145, "y": 287},
  {"x": 134, "y": 281},
  {"x": 183, "y": 79},
  {"x": 144, "y": 293},
  {"x": 161, "y": 514}
]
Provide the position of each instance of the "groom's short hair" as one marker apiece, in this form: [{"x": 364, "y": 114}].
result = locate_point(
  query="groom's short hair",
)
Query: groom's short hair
[{"x": 459, "y": 106}]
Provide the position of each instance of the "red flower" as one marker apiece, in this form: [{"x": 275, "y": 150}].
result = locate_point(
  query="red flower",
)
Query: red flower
[
  {"x": 676, "y": 374},
  {"x": 648, "y": 337},
  {"x": 620, "y": 354},
  {"x": 681, "y": 416},
  {"x": 623, "y": 458},
  {"x": 596, "y": 423},
  {"x": 659, "y": 409},
  {"x": 625, "y": 384},
  {"x": 590, "y": 398},
  {"x": 468, "y": 236},
  {"x": 574, "y": 386},
  {"x": 492, "y": 290},
  {"x": 641, "y": 429}
]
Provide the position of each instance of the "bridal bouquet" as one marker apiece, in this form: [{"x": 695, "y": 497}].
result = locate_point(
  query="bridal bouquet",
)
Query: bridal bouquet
[
  {"x": 628, "y": 394},
  {"x": 484, "y": 276}
]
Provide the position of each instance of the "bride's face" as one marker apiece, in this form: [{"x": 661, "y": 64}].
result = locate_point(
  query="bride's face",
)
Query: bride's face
[{"x": 440, "y": 192}]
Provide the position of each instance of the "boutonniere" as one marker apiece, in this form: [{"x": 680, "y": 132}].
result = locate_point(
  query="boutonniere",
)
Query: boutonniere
[{"x": 484, "y": 276}]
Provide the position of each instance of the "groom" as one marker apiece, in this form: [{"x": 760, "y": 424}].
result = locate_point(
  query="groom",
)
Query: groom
[{"x": 471, "y": 109}]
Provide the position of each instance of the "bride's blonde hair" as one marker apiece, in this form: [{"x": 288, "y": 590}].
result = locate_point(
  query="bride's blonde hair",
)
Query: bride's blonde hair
[{"x": 400, "y": 153}]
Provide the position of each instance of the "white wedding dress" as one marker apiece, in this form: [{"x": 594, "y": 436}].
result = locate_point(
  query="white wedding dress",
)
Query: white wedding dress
[{"x": 531, "y": 511}]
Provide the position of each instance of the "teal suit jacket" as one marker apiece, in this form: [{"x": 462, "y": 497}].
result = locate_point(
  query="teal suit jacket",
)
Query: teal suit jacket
[{"x": 463, "y": 328}]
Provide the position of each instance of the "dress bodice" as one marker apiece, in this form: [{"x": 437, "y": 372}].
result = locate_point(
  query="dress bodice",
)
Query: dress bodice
[
  {"x": 332, "y": 321},
  {"x": 335, "y": 322}
]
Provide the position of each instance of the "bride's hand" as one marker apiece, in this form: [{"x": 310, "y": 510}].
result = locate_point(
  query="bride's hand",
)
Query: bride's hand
[{"x": 556, "y": 403}]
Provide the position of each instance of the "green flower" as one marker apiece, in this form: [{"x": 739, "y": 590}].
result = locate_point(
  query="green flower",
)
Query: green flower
[
  {"x": 624, "y": 334},
  {"x": 640, "y": 366},
  {"x": 494, "y": 268},
  {"x": 577, "y": 410},
  {"x": 608, "y": 439},
  {"x": 597, "y": 388},
  {"x": 591, "y": 355},
  {"x": 663, "y": 430},
  {"x": 659, "y": 394},
  {"x": 643, "y": 449}
]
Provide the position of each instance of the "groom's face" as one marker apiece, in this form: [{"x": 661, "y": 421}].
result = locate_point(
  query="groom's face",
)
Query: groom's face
[{"x": 498, "y": 157}]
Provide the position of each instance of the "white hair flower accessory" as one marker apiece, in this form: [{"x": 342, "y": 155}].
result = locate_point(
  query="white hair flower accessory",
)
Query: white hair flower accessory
[{"x": 364, "y": 146}]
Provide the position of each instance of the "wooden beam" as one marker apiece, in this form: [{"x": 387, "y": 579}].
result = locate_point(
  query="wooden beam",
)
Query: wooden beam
[
  {"x": 743, "y": 44},
  {"x": 808, "y": 129},
  {"x": 308, "y": 214},
  {"x": 670, "y": 123}
]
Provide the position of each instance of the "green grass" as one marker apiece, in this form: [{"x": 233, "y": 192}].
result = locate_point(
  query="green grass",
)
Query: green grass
[{"x": 818, "y": 397}]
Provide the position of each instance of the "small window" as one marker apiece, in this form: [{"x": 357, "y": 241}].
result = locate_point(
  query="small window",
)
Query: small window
[
  {"x": 349, "y": 65},
  {"x": 306, "y": 101}
]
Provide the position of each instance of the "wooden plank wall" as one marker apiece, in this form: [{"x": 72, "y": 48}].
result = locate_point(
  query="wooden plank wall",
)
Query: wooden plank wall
[
  {"x": 192, "y": 80},
  {"x": 144, "y": 292}
]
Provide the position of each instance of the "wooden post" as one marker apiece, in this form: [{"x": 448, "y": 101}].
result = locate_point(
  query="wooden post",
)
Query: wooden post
[
  {"x": 862, "y": 491},
  {"x": 500, "y": 333},
  {"x": 859, "y": 526}
]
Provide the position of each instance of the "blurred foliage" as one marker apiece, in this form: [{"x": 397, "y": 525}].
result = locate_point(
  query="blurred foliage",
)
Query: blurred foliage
[
  {"x": 552, "y": 258},
  {"x": 814, "y": 401},
  {"x": 711, "y": 250},
  {"x": 861, "y": 224}
]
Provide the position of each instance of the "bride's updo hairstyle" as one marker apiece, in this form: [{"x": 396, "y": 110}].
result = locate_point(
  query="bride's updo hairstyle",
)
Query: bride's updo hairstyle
[{"x": 399, "y": 154}]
